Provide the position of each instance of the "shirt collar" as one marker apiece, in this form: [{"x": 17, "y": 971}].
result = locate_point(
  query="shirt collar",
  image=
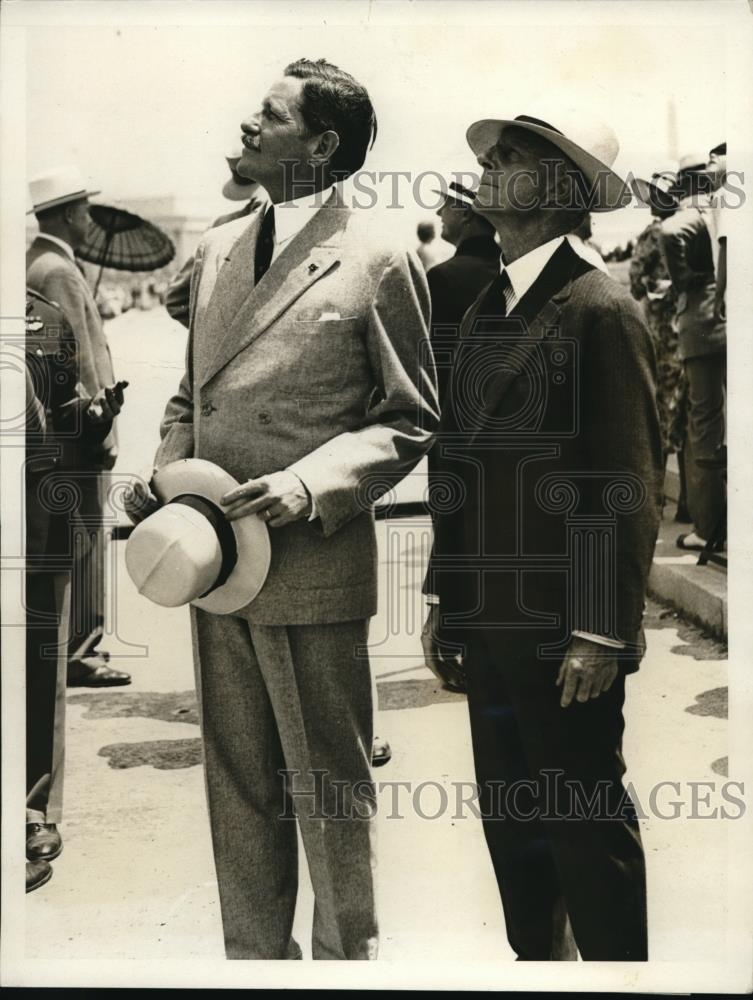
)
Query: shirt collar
[
  {"x": 61, "y": 243},
  {"x": 526, "y": 269},
  {"x": 291, "y": 216}
]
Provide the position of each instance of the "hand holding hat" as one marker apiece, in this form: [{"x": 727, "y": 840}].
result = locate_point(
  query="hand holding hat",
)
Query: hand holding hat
[
  {"x": 185, "y": 550},
  {"x": 279, "y": 498}
]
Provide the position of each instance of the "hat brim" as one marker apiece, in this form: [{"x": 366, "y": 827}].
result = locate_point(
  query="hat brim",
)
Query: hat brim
[
  {"x": 234, "y": 191},
  {"x": 449, "y": 196},
  {"x": 649, "y": 194},
  {"x": 205, "y": 479},
  {"x": 610, "y": 190},
  {"x": 61, "y": 201}
]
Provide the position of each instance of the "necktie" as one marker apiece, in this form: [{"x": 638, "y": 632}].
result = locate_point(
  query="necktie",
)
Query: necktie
[
  {"x": 507, "y": 292},
  {"x": 265, "y": 245}
]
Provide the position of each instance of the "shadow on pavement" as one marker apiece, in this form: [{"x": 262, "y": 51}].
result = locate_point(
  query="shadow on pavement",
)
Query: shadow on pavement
[{"x": 164, "y": 755}]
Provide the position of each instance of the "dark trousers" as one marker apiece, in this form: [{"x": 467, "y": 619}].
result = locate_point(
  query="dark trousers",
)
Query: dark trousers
[
  {"x": 46, "y": 644},
  {"x": 538, "y": 765},
  {"x": 88, "y": 576},
  {"x": 706, "y": 377}
]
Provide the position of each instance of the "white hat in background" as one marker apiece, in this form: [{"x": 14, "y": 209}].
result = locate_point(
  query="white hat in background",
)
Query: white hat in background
[
  {"x": 187, "y": 552},
  {"x": 57, "y": 186},
  {"x": 591, "y": 145},
  {"x": 692, "y": 161},
  {"x": 237, "y": 187}
]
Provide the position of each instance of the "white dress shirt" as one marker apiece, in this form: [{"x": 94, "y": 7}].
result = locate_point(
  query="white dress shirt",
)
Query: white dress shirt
[{"x": 291, "y": 216}]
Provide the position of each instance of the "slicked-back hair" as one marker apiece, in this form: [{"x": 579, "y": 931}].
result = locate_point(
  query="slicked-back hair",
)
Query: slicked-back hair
[{"x": 332, "y": 100}]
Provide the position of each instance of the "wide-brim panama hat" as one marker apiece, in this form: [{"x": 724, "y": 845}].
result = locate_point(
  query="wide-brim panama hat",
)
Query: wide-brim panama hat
[
  {"x": 590, "y": 143},
  {"x": 58, "y": 186},
  {"x": 237, "y": 187},
  {"x": 187, "y": 552}
]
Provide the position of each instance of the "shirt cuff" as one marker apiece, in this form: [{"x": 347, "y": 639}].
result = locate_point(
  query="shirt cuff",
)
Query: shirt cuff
[
  {"x": 601, "y": 639},
  {"x": 314, "y": 512},
  {"x": 432, "y": 598}
]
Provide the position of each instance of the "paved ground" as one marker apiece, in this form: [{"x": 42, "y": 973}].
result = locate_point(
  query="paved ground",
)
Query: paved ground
[{"x": 136, "y": 880}]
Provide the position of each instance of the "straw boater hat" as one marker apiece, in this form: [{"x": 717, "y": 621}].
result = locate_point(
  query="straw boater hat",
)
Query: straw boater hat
[
  {"x": 188, "y": 552},
  {"x": 589, "y": 143},
  {"x": 237, "y": 187},
  {"x": 57, "y": 187}
]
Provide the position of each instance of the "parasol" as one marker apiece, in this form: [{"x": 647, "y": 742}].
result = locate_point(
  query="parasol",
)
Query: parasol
[{"x": 124, "y": 241}]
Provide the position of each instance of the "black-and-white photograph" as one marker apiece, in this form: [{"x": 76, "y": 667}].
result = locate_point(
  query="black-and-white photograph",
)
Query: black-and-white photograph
[{"x": 365, "y": 427}]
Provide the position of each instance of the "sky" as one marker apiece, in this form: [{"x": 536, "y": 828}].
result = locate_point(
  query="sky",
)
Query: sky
[{"x": 151, "y": 110}]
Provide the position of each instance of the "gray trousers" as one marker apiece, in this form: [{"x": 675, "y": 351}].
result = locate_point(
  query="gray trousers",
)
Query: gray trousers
[
  {"x": 286, "y": 714},
  {"x": 706, "y": 393}
]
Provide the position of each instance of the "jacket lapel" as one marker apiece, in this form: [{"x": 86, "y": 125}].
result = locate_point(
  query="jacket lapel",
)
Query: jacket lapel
[
  {"x": 530, "y": 322},
  {"x": 248, "y": 311}
]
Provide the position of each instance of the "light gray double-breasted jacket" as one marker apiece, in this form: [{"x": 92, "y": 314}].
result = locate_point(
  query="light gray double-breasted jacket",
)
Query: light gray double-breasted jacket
[{"x": 324, "y": 368}]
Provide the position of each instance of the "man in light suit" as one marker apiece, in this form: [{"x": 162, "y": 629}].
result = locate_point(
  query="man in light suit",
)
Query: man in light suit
[
  {"x": 61, "y": 205},
  {"x": 550, "y": 436},
  {"x": 310, "y": 380}
]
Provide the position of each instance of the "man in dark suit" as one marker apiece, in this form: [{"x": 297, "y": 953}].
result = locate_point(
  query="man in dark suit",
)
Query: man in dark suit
[
  {"x": 58, "y": 415},
  {"x": 235, "y": 188},
  {"x": 60, "y": 199},
  {"x": 455, "y": 283},
  {"x": 550, "y": 441}
]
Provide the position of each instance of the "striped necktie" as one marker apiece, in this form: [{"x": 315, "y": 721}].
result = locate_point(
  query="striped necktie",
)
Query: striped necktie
[{"x": 508, "y": 292}]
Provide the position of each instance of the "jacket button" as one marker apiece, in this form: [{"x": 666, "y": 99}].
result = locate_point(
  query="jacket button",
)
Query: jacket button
[
  {"x": 264, "y": 418},
  {"x": 207, "y": 408}
]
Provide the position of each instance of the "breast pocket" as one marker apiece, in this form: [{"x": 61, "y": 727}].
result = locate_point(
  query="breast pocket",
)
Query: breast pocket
[{"x": 325, "y": 351}]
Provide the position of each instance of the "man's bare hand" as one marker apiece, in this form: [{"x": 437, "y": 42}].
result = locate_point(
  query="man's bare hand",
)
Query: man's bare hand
[
  {"x": 279, "y": 498},
  {"x": 107, "y": 404},
  {"x": 139, "y": 501},
  {"x": 587, "y": 670},
  {"x": 443, "y": 663}
]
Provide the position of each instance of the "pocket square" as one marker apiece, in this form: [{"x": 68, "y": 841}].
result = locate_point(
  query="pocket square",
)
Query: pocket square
[{"x": 328, "y": 315}]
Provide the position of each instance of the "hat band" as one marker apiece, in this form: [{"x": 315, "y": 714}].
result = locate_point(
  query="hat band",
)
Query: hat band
[
  {"x": 223, "y": 530},
  {"x": 537, "y": 121},
  {"x": 62, "y": 197}
]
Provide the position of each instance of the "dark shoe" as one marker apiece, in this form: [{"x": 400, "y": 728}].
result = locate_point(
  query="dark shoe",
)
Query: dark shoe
[
  {"x": 93, "y": 671},
  {"x": 380, "y": 752},
  {"x": 691, "y": 542},
  {"x": 43, "y": 842},
  {"x": 37, "y": 873}
]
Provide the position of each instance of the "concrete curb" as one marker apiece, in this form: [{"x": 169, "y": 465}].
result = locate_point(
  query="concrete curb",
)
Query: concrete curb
[{"x": 699, "y": 593}]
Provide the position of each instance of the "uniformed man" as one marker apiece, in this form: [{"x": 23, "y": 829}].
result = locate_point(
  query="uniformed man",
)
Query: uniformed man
[
  {"x": 59, "y": 416},
  {"x": 60, "y": 200}
]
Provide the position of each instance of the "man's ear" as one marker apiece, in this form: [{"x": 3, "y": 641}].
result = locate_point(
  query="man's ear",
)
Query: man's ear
[{"x": 326, "y": 146}]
